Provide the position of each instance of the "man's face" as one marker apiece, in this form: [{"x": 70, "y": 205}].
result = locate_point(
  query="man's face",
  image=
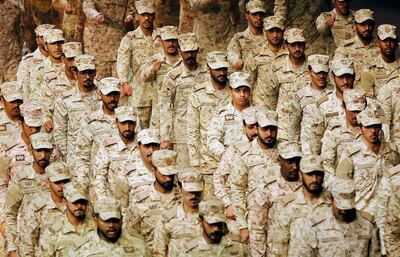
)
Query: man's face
[
  {"x": 170, "y": 46},
  {"x": 12, "y": 108},
  {"x": 251, "y": 131},
  {"x": 55, "y": 49},
  {"x": 344, "y": 82},
  {"x": 219, "y": 75},
  {"x": 388, "y": 46},
  {"x": 192, "y": 198},
  {"x": 145, "y": 20},
  {"x": 342, "y": 7},
  {"x": 126, "y": 129},
  {"x": 274, "y": 36},
  {"x": 290, "y": 168},
  {"x": 70, "y": 64},
  {"x": 371, "y": 133},
  {"x": 318, "y": 79},
  {"x": 351, "y": 117},
  {"x": 343, "y": 215},
  {"x": 85, "y": 78},
  {"x": 189, "y": 57},
  {"x": 364, "y": 30},
  {"x": 255, "y": 19},
  {"x": 214, "y": 231},
  {"x": 78, "y": 208},
  {"x": 57, "y": 187},
  {"x": 111, "y": 100},
  {"x": 27, "y": 130},
  {"x": 267, "y": 135},
  {"x": 312, "y": 181},
  {"x": 110, "y": 229},
  {"x": 296, "y": 49},
  {"x": 42, "y": 156},
  {"x": 166, "y": 181},
  {"x": 146, "y": 151},
  {"x": 240, "y": 96}
]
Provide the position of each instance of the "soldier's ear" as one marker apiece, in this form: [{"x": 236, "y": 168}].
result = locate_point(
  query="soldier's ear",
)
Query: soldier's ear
[{"x": 47, "y": 185}]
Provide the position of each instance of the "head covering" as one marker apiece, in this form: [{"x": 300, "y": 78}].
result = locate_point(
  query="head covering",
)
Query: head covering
[
  {"x": 343, "y": 192},
  {"x": 53, "y": 35},
  {"x": 74, "y": 191},
  {"x": 188, "y": 42},
  {"x": 249, "y": 115},
  {"x": 212, "y": 210},
  {"x": 108, "y": 208},
  {"x": 145, "y": 6},
  {"x": 58, "y": 171},
  {"x": 369, "y": 117},
  {"x": 72, "y": 49},
  {"x": 273, "y": 21},
  {"x": 11, "y": 91},
  {"x": 387, "y": 31},
  {"x": 217, "y": 60},
  {"x": 267, "y": 118},
  {"x": 41, "y": 140},
  {"x": 164, "y": 161},
  {"x": 289, "y": 149},
  {"x": 85, "y": 62},
  {"x": 39, "y": 31},
  {"x": 108, "y": 85},
  {"x": 148, "y": 136},
  {"x": 125, "y": 113},
  {"x": 239, "y": 79},
  {"x": 254, "y": 6},
  {"x": 354, "y": 99},
  {"x": 294, "y": 35},
  {"x": 191, "y": 179},
  {"x": 319, "y": 62},
  {"x": 341, "y": 66},
  {"x": 169, "y": 32},
  {"x": 32, "y": 114},
  {"x": 311, "y": 162},
  {"x": 363, "y": 15}
]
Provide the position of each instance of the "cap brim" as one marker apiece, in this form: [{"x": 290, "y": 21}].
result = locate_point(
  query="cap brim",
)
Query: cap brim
[
  {"x": 342, "y": 71},
  {"x": 109, "y": 90},
  {"x": 345, "y": 204},
  {"x": 274, "y": 26},
  {"x": 371, "y": 122},
  {"x": 192, "y": 187},
  {"x": 86, "y": 67},
  {"x": 218, "y": 65},
  {"x": 320, "y": 68},
  {"x": 298, "y": 39},
  {"x": 59, "y": 178},
  {"x": 216, "y": 218},
  {"x": 309, "y": 170},
  {"x": 13, "y": 97},
  {"x": 149, "y": 141},
  {"x": 42, "y": 146},
  {"x": 110, "y": 215},
  {"x": 124, "y": 118},
  {"x": 387, "y": 36},
  {"x": 361, "y": 20},
  {"x": 249, "y": 121},
  {"x": 237, "y": 85},
  {"x": 56, "y": 40},
  {"x": 33, "y": 122},
  {"x": 76, "y": 198},
  {"x": 144, "y": 10},
  {"x": 168, "y": 37},
  {"x": 187, "y": 48},
  {"x": 166, "y": 171},
  {"x": 254, "y": 10},
  {"x": 355, "y": 107},
  {"x": 268, "y": 123},
  {"x": 291, "y": 155}
]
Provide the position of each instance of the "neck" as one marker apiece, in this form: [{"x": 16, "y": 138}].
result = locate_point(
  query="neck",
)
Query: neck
[
  {"x": 69, "y": 74},
  {"x": 25, "y": 138},
  {"x": 297, "y": 62},
  {"x": 147, "y": 32},
  {"x": 108, "y": 111},
  {"x": 365, "y": 42},
  {"x": 161, "y": 189},
  {"x": 127, "y": 141},
  {"x": 37, "y": 168},
  {"x": 209, "y": 240},
  {"x": 255, "y": 31},
  {"x": 240, "y": 107},
  {"x": 217, "y": 86},
  {"x": 191, "y": 67},
  {"x": 374, "y": 147},
  {"x": 43, "y": 52},
  {"x": 13, "y": 118},
  {"x": 189, "y": 209},
  {"x": 56, "y": 198},
  {"x": 339, "y": 94},
  {"x": 149, "y": 166},
  {"x": 311, "y": 197},
  {"x": 85, "y": 89},
  {"x": 55, "y": 60},
  {"x": 275, "y": 48},
  {"x": 389, "y": 59},
  {"x": 74, "y": 220}
]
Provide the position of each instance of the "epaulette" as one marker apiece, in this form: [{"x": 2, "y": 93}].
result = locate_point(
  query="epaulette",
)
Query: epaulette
[
  {"x": 244, "y": 149},
  {"x": 57, "y": 226},
  {"x": 239, "y": 35},
  {"x": 141, "y": 196},
  {"x": 21, "y": 174},
  {"x": 50, "y": 75},
  {"x": 322, "y": 100},
  {"x": 65, "y": 94},
  {"x": 199, "y": 87},
  {"x": 234, "y": 237},
  {"x": 91, "y": 117},
  {"x": 316, "y": 219},
  {"x": 174, "y": 73},
  {"x": 269, "y": 179},
  {"x": 344, "y": 168},
  {"x": 191, "y": 244},
  {"x": 81, "y": 241},
  {"x": 169, "y": 214},
  {"x": 39, "y": 203},
  {"x": 367, "y": 216},
  {"x": 348, "y": 42},
  {"x": 27, "y": 56},
  {"x": 334, "y": 123},
  {"x": 8, "y": 144},
  {"x": 288, "y": 198},
  {"x": 131, "y": 33},
  {"x": 393, "y": 171},
  {"x": 110, "y": 141},
  {"x": 353, "y": 149},
  {"x": 300, "y": 94}
]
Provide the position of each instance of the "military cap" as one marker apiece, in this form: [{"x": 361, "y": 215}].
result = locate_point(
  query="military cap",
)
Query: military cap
[
  {"x": 74, "y": 191},
  {"x": 239, "y": 79},
  {"x": 148, "y": 136},
  {"x": 273, "y": 21},
  {"x": 289, "y": 149},
  {"x": 217, "y": 60},
  {"x": 191, "y": 179},
  {"x": 387, "y": 31},
  {"x": 254, "y": 6},
  {"x": 249, "y": 115},
  {"x": 165, "y": 161},
  {"x": 125, "y": 113},
  {"x": 58, "y": 171},
  {"x": 145, "y": 6},
  {"x": 11, "y": 91},
  {"x": 355, "y": 99},
  {"x": 267, "y": 118},
  {"x": 311, "y": 162},
  {"x": 341, "y": 66},
  {"x": 108, "y": 208},
  {"x": 72, "y": 49},
  {"x": 85, "y": 62},
  {"x": 319, "y": 62},
  {"x": 212, "y": 210},
  {"x": 369, "y": 117},
  {"x": 39, "y": 31},
  {"x": 108, "y": 85},
  {"x": 294, "y": 35},
  {"x": 53, "y": 35},
  {"x": 41, "y": 140},
  {"x": 169, "y": 32},
  {"x": 363, "y": 15},
  {"x": 188, "y": 42},
  {"x": 343, "y": 192},
  {"x": 32, "y": 114}
]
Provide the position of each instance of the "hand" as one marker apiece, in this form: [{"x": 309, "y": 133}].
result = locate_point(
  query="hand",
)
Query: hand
[
  {"x": 330, "y": 21},
  {"x": 48, "y": 126},
  {"x": 127, "y": 89},
  {"x": 100, "y": 19},
  {"x": 166, "y": 145},
  {"x": 68, "y": 8},
  {"x": 244, "y": 235},
  {"x": 230, "y": 213},
  {"x": 13, "y": 254},
  {"x": 239, "y": 65},
  {"x": 157, "y": 65}
]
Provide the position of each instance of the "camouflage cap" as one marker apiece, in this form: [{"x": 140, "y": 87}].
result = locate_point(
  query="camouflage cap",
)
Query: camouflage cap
[
  {"x": 85, "y": 62},
  {"x": 267, "y": 118},
  {"x": 72, "y": 49},
  {"x": 254, "y": 6},
  {"x": 32, "y": 114},
  {"x": 319, "y": 62},
  {"x": 149, "y": 136},
  {"x": 58, "y": 171},
  {"x": 125, "y": 113},
  {"x": 212, "y": 210},
  {"x": 217, "y": 60},
  {"x": 191, "y": 179},
  {"x": 343, "y": 192},
  {"x": 387, "y": 31},
  {"x": 341, "y": 66},
  {"x": 169, "y": 32},
  {"x": 294, "y": 35},
  {"x": 273, "y": 21},
  {"x": 145, "y": 6},
  {"x": 311, "y": 162},
  {"x": 108, "y": 85},
  {"x": 363, "y": 15},
  {"x": 164, "y": 161},
  {"x": 53, "y": 35},
  {"x": 355, "y": 99},
  {"x": 369, "y": 117},
  {"x": 108, "y": 208},
  {"x": 11, "y": 91},
  {"x": 74, "y": 191},
  {"x": 41, "y": 140},
  {"x": 239, "y": 79},
  {"x": 188, "y": 42},
  {"x": 289, "y": 149},
  {"x": 249, "y": 115},
  {"x": 39, "y": 31}
]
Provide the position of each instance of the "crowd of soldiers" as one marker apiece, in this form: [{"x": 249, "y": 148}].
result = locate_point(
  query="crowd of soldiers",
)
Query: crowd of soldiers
[{"x": 194, "y": 135}]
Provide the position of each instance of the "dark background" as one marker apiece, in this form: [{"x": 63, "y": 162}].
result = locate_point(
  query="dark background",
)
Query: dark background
[{"x": 386, "y": 11}]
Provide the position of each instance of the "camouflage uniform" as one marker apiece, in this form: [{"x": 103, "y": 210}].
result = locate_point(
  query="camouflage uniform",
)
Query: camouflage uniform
[
  {"x": 388, "y": 97},
  {"x": 9, "y": 129},
  {"x": 73, "y": 23}
]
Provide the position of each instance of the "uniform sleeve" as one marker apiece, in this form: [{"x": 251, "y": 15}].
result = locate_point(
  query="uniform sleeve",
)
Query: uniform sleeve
[
  {"x": 13, "y": 202},
  {"x": 321, "y": 23},
  {"x": 340, "y": 52},
  {"x": 101, "y": 162},
  {"x": 295, "y": 116},
  {"x": 133, "y": 219},
  {"x": 278, "y": 231},
  {"x": 4, "y": 181},
  {"x": 392, "y": 228},
  {"x": 35, "y": 82},
  {"x": 47, "y": 244},
  {"x": 221, "y": 174},
  {"x": 198, "y": 4},
  {"x": 46, "y": 101},
  {"x": 60, "y": 131},
  {"x": 234, "y": 50},
  {"x": 161, "y": 239},
  {"x": 23, "y": 77},
  {"x": 328, "y": 151},
  {"x": 385, "y": 99},
  {"x": 215, "y": 135},
  {"x": 166, "y": 93},
  {"x": 124, "y": 59},
  {"x": 83, "y": 152},
  {"x": 193, "y": 130},
  {"x": 29, "y": 236},
  {"x": 280, "y": 8},
  {"x": 238, "y": 180},
  {"x": 89, "y": 9},
  {"x": 304, "y": 246},
  {"x": 266, "y": 92}
]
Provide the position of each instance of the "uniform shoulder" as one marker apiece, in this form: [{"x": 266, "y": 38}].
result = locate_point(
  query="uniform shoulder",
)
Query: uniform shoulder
[
  {"x": 199, "y": 87},
  {"x": 267, "y": 180},
  {"x": 8, "y": 143},
  {"x": 57, "y": 226},
  {"x": 288, "y": 198},
  {"x": 174, "y": 72},
  {"x": 322, "y": 100},
  {"x": 39, "y": 200},
  {"x": 347, "y": 42},
  {"x": 141, "y": 195},
  {"x": 393, "y": 171},
  {"x": 22, "y": 174},
  {"x": 367, "y": 216},
  {"x": 93, "y": 116},
  {"x": 110, "y": 141},
  {"x": 189, "y": 245},
  {"x": 66, "y": 94},
  {"x": 243, "y": 148},
  {"x": 170, "y": 214},
  {"x": 27, "y": 56},
  {"x": 301, "y": 93},
  {"x": 317, "y": 219},
  {"x": 234, "y": 237}
]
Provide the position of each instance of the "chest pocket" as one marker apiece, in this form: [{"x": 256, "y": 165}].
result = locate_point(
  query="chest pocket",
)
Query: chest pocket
[{"x": 28, "y": 186}]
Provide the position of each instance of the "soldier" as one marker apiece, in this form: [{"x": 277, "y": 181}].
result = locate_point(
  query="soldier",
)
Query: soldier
[
  {"x": 250, "y": 166},
  {"x": 28, "y": 180},
  {"x": 10, "y": 116},
  {"x": 72, "y": 228},
  {"x": 181, "y": 223},
  {"x": 53, "y": 41},
  {"x": 286, "y": 215},
  {"x": 29, "y": 61},
  {"x": 109, "y": 238},
  {"x": 96, "y": 126},
  {"x": 74, "y": 105},
  {"x": 276, "y": 182},
  {"x": 213, "y": 241},
  {"x": 242, "y": 43},
  {"x": 366, "y": 160},
  {"x": 385, "y": 66},
  {"x": 178, "y": 84},
  {"x": 355, "y": 234},
  {"x": 301, "y": 112},
  {"x": 336, "y": 24},
  {"x": 362, "y": 47},
  {"x": 73, "y": 20},
  {"x": 45, "y": 209},
  {"x": 157, "y": 66},
  {"x": 135, "y": 47},
  {"x": 153, "y": 200},
  {"x": 346, "y": 132},
  {"x": 116, "y": 155},
  {"x": 104, "y": 29}
]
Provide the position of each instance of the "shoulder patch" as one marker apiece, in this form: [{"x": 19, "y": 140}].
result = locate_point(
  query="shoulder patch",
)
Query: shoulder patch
[
  {"x": 169, "y": 214},
  {"x": 317, "y": 219},
  {"x": 268, "y": 180},
  {"x": 66, "y": 94},
  {"x": 300, "y": 94},
  {"x": 288, "y": 198},
  {"x": 354, "y": 149},
  {"x": 367, "y": 216},
  {"x": 393, "y": 171},
  {"x": 27, "y": 56},
  {"x": 244, "y": 149},
  {"x": 234, "y": 237},
  {"x": 9, "y": 144},
  {"x": 322, "y": 100}
]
